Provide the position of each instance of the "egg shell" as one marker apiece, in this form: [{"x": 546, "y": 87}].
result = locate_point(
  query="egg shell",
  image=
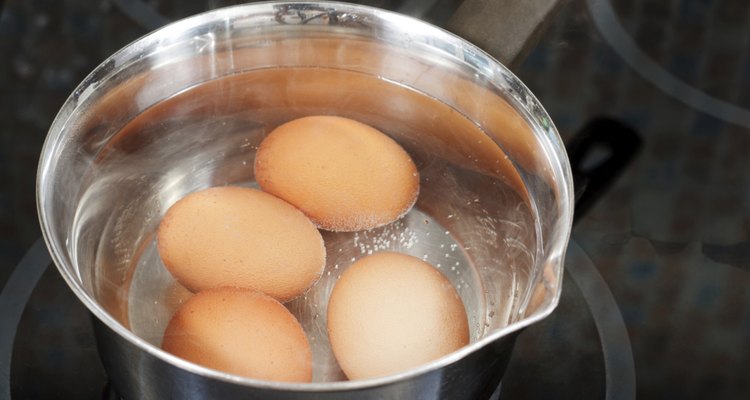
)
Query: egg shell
[
  {"x": 390, "y": 312},
  {"x": 236, "y": 236},
  {"x": 343, "y": 174},
  {"x": 241, "y": 332}
]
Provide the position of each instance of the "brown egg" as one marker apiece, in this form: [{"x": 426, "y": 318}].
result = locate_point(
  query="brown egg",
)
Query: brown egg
[
  {"x": 390, "y": 312},
  {"x": 343, "y": 174},
  {"x": 240, "y": 332},
  {"x": 234, "y": 236}
]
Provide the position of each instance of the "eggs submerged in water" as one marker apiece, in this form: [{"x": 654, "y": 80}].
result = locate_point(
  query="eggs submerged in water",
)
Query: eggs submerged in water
[
  {"x": 343, "y": 174},
  {"x": 244, "y": 252},
  {"x": 390, "y": 312},
  {"x": 234, "y": 236},
  {"x": 241, "y": 332}
]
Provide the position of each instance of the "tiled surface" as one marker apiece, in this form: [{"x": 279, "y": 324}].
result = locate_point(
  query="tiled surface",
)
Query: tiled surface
[{"x": 671, "y": 238}]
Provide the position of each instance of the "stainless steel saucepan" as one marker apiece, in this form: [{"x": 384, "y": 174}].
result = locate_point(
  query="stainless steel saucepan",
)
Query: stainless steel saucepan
[{"x": 185, "y": 108}]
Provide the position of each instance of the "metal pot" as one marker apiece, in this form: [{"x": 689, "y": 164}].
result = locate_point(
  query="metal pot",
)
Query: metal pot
[{"x": 185, "y": 107}]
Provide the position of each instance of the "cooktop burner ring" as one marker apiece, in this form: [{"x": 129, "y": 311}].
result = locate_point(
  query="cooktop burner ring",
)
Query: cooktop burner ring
[
  {"x": 614, "y": 33},
  {"x": 615, "y": 345}
]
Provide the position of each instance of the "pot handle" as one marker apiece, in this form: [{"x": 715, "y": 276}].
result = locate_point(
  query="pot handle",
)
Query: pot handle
[
  {"x": 506, "y": 29},
  {"x": 598, "y": 154}
]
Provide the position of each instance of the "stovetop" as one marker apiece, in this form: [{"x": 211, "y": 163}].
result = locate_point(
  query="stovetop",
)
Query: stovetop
[
  {"x": 655, "y": 301},
  {"x": 49, "y": 342}
]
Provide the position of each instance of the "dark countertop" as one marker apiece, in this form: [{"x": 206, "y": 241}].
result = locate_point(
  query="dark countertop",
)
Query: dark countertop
[{"x": 671, "y": 237}]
